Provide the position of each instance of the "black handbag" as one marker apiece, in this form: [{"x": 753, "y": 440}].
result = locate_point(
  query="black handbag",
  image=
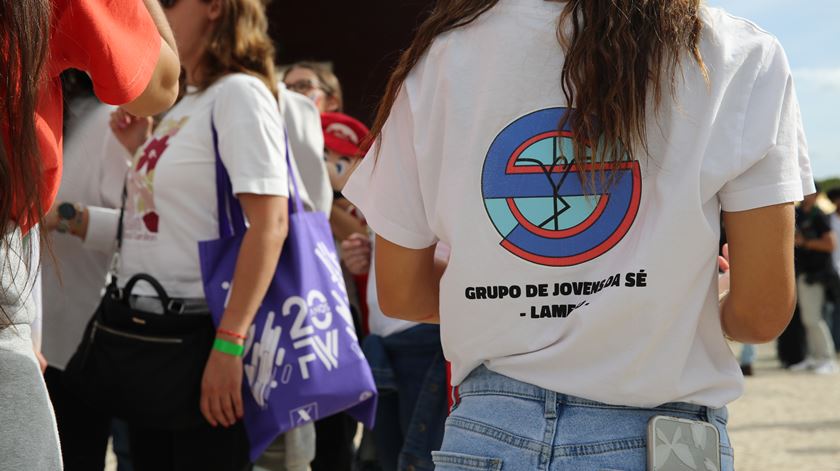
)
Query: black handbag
[{"x": 143, "y": 367}]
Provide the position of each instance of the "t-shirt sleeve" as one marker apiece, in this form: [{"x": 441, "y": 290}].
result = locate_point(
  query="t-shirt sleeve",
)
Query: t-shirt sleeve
[
  {"x": 773, "y": 166},
  {"x": 251, "y": 137},
  {"x": 103, "y": 224},
  {"x": 821, "y": 224},
  {"x": 115, "y": 41},
  {"x": 386, "y": 187}
]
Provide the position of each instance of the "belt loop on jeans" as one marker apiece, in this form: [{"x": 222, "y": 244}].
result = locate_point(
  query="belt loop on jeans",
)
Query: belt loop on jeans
[{"x": 550, "y": 404}]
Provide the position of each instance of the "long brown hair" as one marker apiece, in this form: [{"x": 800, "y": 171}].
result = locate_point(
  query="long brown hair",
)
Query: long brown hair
[
  {"x": 618, "y": 54},
  {"x": 24, "y": 41},
  {"x": 239, "y": 44}
]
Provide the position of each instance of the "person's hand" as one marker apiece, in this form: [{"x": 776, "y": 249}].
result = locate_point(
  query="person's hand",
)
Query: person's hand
[
  {"x": 798, "y": 239},
  {"x": 221, "y": 389},
  {"x": 355, "y": 253},
  {"x": 130, "y": 130},
  {"x": 723, "y": 278},
  {"x": 42, "y": 361},
  {"x": 50, "y": 222}
]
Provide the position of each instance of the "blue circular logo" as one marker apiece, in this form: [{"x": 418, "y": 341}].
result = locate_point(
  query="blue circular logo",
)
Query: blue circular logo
[{"x": 535, "y": 200}]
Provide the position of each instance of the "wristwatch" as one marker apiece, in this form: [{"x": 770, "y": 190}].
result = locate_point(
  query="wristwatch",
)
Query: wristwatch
[{"x": 69, "y": 214}]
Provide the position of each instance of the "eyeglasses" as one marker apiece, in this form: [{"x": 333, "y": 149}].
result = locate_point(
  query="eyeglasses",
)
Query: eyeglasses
[
  {"x": 302, "y": 86},
  {"x": 168, "y": 3}
]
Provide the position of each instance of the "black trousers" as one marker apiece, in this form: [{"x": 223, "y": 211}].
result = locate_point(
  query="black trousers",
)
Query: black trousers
[
  {"x": 791, "y": 346},
  {"x": 203, "y": 448},
  {"x": 83, "y": 430},
  {"x": 334, "y": 449}
]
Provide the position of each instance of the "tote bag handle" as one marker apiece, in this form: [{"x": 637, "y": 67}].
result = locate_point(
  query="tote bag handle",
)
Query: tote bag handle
[{"x": 231, "y": 217}]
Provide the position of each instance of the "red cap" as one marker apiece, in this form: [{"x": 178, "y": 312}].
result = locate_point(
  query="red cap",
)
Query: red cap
[{"x": 344, "y": 134}]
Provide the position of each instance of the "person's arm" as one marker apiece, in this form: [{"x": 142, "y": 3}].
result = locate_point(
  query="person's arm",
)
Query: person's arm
[
  {"x": 162, "y": 90},
  {"x": 826, "y": 243},
  {"x": 95, "y": 226},
  {"x": 408, "y": 282},
  {"x": 762, "y": 292},
  {"x": 221, "y": 387}
]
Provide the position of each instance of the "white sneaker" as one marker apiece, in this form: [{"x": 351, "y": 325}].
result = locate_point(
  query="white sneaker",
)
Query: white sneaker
[
  {"x": 828, "y": 367},
  {"x": 807, "y": 364}
]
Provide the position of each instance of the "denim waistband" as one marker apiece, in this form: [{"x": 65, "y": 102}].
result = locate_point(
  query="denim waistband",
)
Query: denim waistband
[{"x": 482, "y": 381}]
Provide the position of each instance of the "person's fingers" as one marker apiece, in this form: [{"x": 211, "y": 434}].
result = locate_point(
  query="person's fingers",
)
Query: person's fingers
[
  {"x": 361, "y": 238},
  {"x": 350, "y": 242},
  {"x": 205, "y": 409},
  {"x": 353, "y": 256},
  {"x": 357, "y": 265},
  {"x": 726, "y": 252},
  {"x": 216, "y": 410},
  {"x": 358, "y": 260},
  {"x": 238, "y": 406},
  {"x": 114, "y": 122},
  {"x": 723, "y": 264},
  {"x": 228, "y": 408},
  {"x": 121, "y": 118}
]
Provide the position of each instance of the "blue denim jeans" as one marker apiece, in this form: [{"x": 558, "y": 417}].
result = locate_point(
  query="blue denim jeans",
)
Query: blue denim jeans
[
  {"x": 747, "y": 354},
  {"x": 410, "y": 374},
  {"x": 503, "y": 424}
]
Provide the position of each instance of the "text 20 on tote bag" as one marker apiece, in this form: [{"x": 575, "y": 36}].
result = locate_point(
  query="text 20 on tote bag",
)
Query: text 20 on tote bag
[{"x": 302, "y": 357}]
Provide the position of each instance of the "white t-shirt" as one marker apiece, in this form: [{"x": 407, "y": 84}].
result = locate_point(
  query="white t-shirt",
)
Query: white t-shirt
[
  {"x": 611, "y": 298},
  {"x": 172, "y": 187},
  {"x": 95, "y": 164},
  {"x": 835, "y": 226},
  {"x": 306, "y": 138}
]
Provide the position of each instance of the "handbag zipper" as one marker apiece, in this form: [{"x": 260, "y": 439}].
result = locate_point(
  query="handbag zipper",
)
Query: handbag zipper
[{"x": 144, "y": 338}]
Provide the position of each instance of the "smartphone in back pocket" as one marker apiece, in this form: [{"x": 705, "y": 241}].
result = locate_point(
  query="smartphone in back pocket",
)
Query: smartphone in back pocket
[{"x": 675, "y": 444}]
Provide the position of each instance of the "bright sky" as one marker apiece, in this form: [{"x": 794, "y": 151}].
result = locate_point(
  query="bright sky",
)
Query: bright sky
[{"x": 809, "y": 30}]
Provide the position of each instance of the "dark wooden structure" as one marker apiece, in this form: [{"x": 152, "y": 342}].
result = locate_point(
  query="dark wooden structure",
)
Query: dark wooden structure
[{"x": 362, "y": 39}]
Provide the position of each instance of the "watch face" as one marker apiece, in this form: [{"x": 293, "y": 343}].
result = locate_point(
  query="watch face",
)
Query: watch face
[{"x": 66, "y": 211}]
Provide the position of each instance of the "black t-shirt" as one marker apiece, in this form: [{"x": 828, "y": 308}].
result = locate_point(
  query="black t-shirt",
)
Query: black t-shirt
[{"x": 812, "y": 225}]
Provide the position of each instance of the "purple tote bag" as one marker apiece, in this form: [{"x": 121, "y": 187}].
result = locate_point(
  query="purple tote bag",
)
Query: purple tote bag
[{"x": 302, "y": 357}]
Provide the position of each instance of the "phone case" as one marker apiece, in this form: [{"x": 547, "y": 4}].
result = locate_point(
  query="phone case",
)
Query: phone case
[{"x": 675, "y": 444}]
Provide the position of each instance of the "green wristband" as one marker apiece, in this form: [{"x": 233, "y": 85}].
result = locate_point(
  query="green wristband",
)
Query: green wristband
[{"x": 230, "y": 348}]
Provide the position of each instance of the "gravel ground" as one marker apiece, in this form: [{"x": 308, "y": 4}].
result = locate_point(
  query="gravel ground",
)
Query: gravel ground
[{"x": 786, "y": 421}]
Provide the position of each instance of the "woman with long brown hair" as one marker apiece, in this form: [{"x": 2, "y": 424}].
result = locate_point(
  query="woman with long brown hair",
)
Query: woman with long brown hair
[
  {"x": 170, "y": 205},
  {"x": 40, "y": 39},
  {"x": 576, "y": 157}
]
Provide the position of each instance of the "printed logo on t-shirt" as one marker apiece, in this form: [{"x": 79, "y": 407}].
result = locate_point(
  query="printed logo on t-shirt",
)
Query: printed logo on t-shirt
[
  {"x": 534, "y": 198},
  {"x": 141, "y": 217}
]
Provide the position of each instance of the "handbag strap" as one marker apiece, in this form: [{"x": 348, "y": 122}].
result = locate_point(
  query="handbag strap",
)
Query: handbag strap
[
  {"x": 231, "y": 218},
  {"x": 115, "y": 260}
]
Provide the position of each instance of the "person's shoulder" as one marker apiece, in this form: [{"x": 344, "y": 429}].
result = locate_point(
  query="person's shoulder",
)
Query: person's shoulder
[
  {"x": 295, "y": 103},
  {"x": 239, "y": 85},
  {"x": 736, "y": 37}
]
